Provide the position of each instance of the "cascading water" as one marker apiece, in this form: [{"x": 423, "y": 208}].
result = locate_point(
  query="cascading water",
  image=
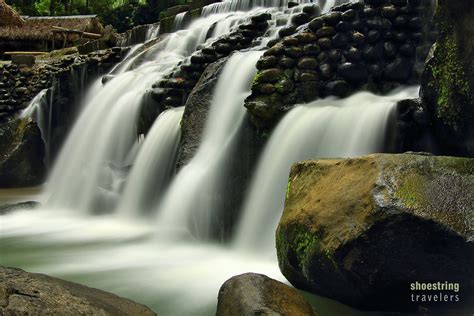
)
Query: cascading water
[
  {"x": 178, "y": 22},
  {"x": 95, "y": 153},
  {"x": 172, "y": 275},
  {"x": 322, "y": 129},
  {"x": 39, "y": 110},
  {"x": 149, "y": 175},
  {"x": 192, "y": 202}
]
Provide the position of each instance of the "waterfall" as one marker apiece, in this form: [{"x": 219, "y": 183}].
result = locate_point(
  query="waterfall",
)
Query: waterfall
[
  {"x": 154, "y": 164},
  {"x": 91, "y": 167},
  {"x": 178, "y": 22},
  {"x": 39, "y": 110},
  {"x": 348, "y": 127},
  {"x": 152, "y": 32},
  {"x": 194, "y": 196}
]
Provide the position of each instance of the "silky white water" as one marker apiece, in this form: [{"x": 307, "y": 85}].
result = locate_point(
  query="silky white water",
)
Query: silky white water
[
  {"x": 105, "y": 168},
  {"x": 154, "y": 165},
  {"x": 328, "y": 128},
  {"x": 191, "y": 204}
]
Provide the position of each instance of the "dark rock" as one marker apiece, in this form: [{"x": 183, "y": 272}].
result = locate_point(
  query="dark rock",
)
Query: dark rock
[
  {"x": 268, "y": 75},
  {"x": 325, "y": 31},
  {"x": 374, "y": 53},
  {"x": 275, "y": 50},
  {"x": 9, "y": 208},
  {"x": 324, "y": 43},
  {"x": 256, "y": 294},
  {"x": 376, "y": 3},
  {"x": 308, "y": 63},
  {"x": 264, "y": 88},
  {"x": 340, "y": 40},
  {"x": 284, "y": 85},
  {"x": 339, "y": 88},
  {"x": 335, "y": 55},
  {"x": 316, "y": 24},
  {"x": 400, "y": 21},
  {"x": 292, "y": 4},
  {"x": 390, "y": 50},
  {"x": 358, "y": 39},
  {"x": 353, "y": 72},
  {"x": 306, "y": 37},
  {"x": 266, "y": 62},
  {"x": 287, "y": 31},
  {"x": 376, "y": 71},
  {"x": 294, "y": 51},
  {"x": 24, "y": 293},
  {"x": 259, "y": 18},
  {"x": 309, "y": 76},
  {"x": 398, "y": 70},
  {"x": 22, "y": 154},
  {"x": 343, "y": 26},
  {"x": 373, "y": 36},
  {"x": 300, "y": 18},
  {"x": 290, "y": 41},
  {"x": 415, "y": 23},
  {"x": 326, "y": 71},
  {"x": 407, "y": 50},
  {"x": 196, "y": 112},
  {"x": 312, "y": 10},
  {"x": 414, "y": 209},
  {"x": 349, "y": 15},
  {"x": 222, "y": 48},
  {"x": 388, "y": 11},
  {"x": 332, "y": 18},
  {"x": 353, "y": 54},
  {"x": 310, "y": 91},
  {"x": 401, "y": 36},
  {"x": 287, "y": 62},
  {"x": 311, "y": 49},
  {"x": 369, "y": 12}
]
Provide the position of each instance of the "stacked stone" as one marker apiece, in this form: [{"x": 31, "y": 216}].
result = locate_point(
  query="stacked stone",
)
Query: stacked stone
[
  {"x": 174, "y": 89},
  {"x": 370, "y": 45},
  {"x": 19, "y": 85}
]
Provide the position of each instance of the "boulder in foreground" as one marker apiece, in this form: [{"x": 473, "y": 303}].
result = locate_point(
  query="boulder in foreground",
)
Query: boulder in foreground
[
  {"x": 362, "y": 230},
  {"x": 256, "y": 294},
  {"x": 23, "y": 293}
]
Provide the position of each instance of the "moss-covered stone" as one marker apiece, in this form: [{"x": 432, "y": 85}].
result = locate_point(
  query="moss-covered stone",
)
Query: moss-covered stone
[{"x": 360, "y": 230}]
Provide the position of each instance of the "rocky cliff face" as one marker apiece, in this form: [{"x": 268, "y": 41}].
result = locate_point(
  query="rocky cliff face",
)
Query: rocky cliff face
[
  {"x": 362, "y": 230},
  {"x": 373, "y": 45},
  {"x": 448, "y": 80}
]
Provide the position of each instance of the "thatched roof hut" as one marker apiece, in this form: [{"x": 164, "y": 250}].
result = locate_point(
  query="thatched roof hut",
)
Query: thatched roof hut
[
  {"x": 41, "y": 28},
  {"x": 8, "y": 16}
]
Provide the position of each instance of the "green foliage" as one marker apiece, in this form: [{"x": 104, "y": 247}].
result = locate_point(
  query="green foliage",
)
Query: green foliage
[{"x": 121, "y": 14}]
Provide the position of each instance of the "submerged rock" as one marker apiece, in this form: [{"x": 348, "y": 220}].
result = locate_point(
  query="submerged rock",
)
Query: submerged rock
[
  {"x": 257, "y": 294},
  {"x": 9, "y": 208},
  {"x": 22, "y": 154},
  {"x": 362, "y": 230},
  {"x": 23, "y": 293}
]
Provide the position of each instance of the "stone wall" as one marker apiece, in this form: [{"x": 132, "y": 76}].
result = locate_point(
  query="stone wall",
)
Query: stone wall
[{"x": 374, "y": 45}]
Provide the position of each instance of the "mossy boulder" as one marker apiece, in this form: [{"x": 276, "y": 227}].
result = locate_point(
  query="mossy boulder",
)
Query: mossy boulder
[
  {"x": 257, "y": 294},
  {"x": 362, "y": 230},
  {"x": 22, "y": 154},
  {"x": 448, "y": 79}
]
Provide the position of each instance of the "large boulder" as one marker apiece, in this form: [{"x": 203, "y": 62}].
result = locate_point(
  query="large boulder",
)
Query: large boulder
[
  {"x": 363, "y": 230},
  {"x": 22, "y": 154},
  {"x": 448, "y": 79},
  {"x": 196, "y": 112},
  {"x": 256, "y": 294},
  {"x": 23, "y": 293}
]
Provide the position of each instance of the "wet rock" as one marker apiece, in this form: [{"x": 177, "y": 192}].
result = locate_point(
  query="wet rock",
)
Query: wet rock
[
  {"x": 399, "y": 70},
  {"x": 266, "y": 62},
  {"x": 389, "y": 11},
  {"x": 324, "y": 43},
  {"x": 300, "y": 18},
  {"x": 287, "y": 31},
  {"x": 196, "y": 112},
  {"x": 413, "y": 209},
  {"x": 265, "y": 88},
  {"x": 24, "y": 293},
  {"x": 311, "y": 49},
  {"x": 268, "y": 75},
  {"x": 9, "y": 208},
  {"x": 326, "y": 71},
  {"x": 332, "y": 18},
  {"x": 287, "y": 62},
  {"x": 308, "y": 63},
  {"x": 353, "y": 72},
  {"x": 306, "y": 37},
  {"x": 312, "y": 10},
  {"x": 340, "y": 40},
  {"x": 390, "y": 49},
  {"x": 339, "y": 88},
  {"x": 294, "y": 51},
  {"x": 316, "y": 24},
  {"x": 309, "y": 76},
  {"x": 343, "y": 26},
  {"x": 22, "y": 154},
  {"x": 256, "y": 294},
  {"x": 326, "y": 31},
  {"x": 353, "y": 54},
  {"x": 284, "y": 85},
  {"x": 407, "y": 50},
  {"x": 349, "y": 15}
]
